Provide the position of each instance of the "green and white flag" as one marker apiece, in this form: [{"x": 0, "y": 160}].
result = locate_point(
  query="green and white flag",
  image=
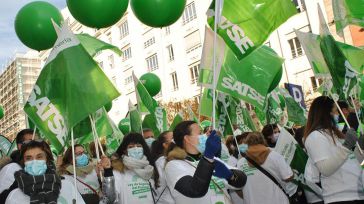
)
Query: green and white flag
[
  {"x": 206, "y": 103},
  {"x": 246, "y": 24},
  {"x": 135, "y": 120},
  {"x": 249, "y": 79},
  {"x": 311, "y": 45},
  {"x": 275, "y": 111},
  {"x": 70, "y": 87},
  {"x": 261, "y": 115},
  {"x": 348, "y": 12},
  {"x": 295, "y": 156},
  {"x": 5, "y": 144},
  {"x": 94, "y": 45},
  {"x": 223, "y": 123},
  {"x": 177, "y": 119},
  {"x": 105, "y": 128},
  {"x": 12, "y": 147},
  {"x": 343, "y": 74},
  {"x": 145, "y": 102},
  {"x": 157, "y": 121},
  {"x": 296, "y": 113},
  {"x": 240, "y": 116}
]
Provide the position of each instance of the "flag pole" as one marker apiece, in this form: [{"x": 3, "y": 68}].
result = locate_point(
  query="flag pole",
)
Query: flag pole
[
  {"x": 231, "y": 124},
  {"x": 361, "y": 128},
  {"x": 199, "y": 105},
  {"x": 94, "y": 133},
  {"x": 35, "y": 129},
  {"x": 217, "y": 9},
  {"x": 74, "y": 168},
  {"x": 339, "y": 109}
]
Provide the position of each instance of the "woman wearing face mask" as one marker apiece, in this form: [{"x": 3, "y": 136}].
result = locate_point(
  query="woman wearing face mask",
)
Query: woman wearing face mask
[
  {"x": 261, "y": 189},
  {"x": 87, "y": 177},
  {"x": 38, "y": 182},
  {"x": 332, "y": 154},
  {"x": 191, "y": 165},
  {"x": 134, "y": 172},
  {"x": 159, "y": 147},
  {"x": 271, "y": 134}
]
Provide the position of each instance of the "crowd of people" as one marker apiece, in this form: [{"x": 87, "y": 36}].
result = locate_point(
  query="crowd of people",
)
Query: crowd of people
[{"x": 193, "y": 165}]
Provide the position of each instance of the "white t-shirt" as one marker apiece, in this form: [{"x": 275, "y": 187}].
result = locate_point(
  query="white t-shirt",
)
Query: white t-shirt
[
  {"x": 7, "y": 175},
  {"x": 346, "y": 183},
  {"x": 130, "y": 188},
  {"x": 177, "y": 169},
  {"x": 225, "y": 155},
  {"x": 232, "y": 161},
  {"x": 261, "y": 189},
  {"x": 65, "y": 197},
  {"x": 164, "y": 194},
  {"x": 90, "y": 179},
  {"x": 312, "y": 175}
]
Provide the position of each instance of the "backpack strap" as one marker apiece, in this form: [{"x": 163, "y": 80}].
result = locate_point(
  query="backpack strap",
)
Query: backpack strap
[
  {"x": 265, "y": 172},
  {"x": 4, "y": 195}
]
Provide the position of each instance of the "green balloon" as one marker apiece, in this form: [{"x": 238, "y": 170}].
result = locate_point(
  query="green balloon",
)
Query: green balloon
[
  {"x": 108, "y": 106},
  {"x": 34, "y": 27},
  {"x": 97, "y": 13},
  {"x": 124, "y": 126},
  {"x": 152, "y": 83},
  {"x": 1, "y": 112},
  {"x": 158, "y": 13}
]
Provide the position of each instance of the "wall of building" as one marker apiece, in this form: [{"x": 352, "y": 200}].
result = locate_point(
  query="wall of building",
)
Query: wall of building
[{"x": 16, "y": 83}]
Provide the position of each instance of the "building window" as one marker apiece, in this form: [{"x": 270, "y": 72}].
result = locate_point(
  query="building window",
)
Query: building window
[
  {"x": 111, "y": 61},
  {"x": 152, "y": 62},
  {"x": 174, "y": 81},
  {"x": 168, "y": 30},
  {"x": 126, "y": 53},
  {"x": 128, "y": 80},
  {"x": 170, "y": 52},
  {"x": 192, "y": 41},
  {"x": 194, "y": 73},
  {"x": 149, "y": 42},
  {"x": 313, "y": 83},
  {"x": 300, "y": 5},
  {"x": 189, "y": 13},
  {"x": 296, "y": 47},
  {"x": 124, "y": 29}
]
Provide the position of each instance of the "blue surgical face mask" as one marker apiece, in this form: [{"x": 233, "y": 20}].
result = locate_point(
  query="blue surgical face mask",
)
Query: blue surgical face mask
[
  {"x": 82, "y": 160},
  {"x": 149, "y": 141},
  {"x": 35, "y": 167},
  {"x": 136, "y": 152},
  {"x": 201, "y": 143},
  {"x": 243, "y": 148}
]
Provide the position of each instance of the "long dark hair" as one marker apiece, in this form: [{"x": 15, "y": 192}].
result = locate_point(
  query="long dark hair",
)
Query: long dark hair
[
  {"x": 137, "y": 138},
  {"x": 319, "y": 118},
  {"x": 268, "y": 130},
  {"x": 157, "y": 149},
  {"x": 182, "y": 129},
  {"x": 37, "y": 144}
]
